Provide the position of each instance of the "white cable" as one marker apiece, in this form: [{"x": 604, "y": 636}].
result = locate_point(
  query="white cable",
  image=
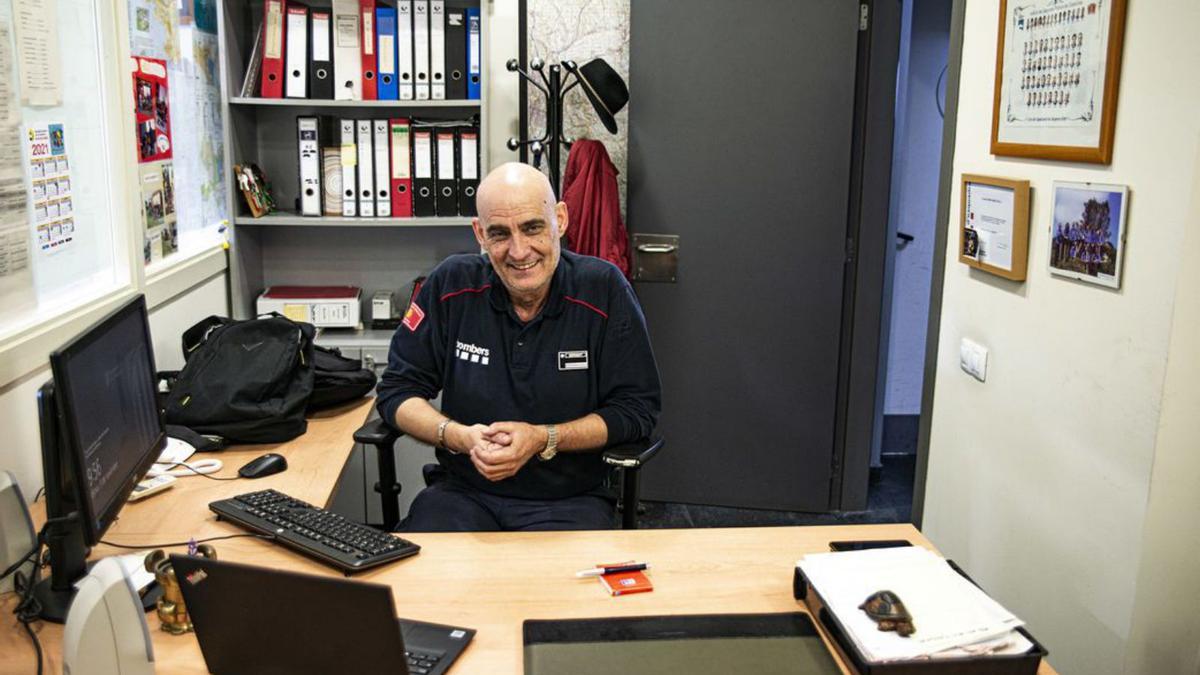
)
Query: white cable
[{"x": 186, "y": 468}]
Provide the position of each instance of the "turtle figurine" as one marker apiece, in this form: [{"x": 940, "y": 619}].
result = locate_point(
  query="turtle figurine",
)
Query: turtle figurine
[{"x": 886, "y": 609}]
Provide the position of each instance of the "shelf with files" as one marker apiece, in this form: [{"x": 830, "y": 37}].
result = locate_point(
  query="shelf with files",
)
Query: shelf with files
[
  {"x": 287, "y": 218},
  {"x": 329, "y": 103},
  {"x": 286, "y": 248}
]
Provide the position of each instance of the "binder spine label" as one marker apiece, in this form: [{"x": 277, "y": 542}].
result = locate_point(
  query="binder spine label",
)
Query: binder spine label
[{"x": 273, "y": 45}]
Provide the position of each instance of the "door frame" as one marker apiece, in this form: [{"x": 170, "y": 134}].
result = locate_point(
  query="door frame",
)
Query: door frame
[{"x": 938, "y": 276}]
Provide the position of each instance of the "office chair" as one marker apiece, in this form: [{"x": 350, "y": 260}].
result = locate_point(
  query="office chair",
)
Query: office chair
[{"x": 626, "y": 459}]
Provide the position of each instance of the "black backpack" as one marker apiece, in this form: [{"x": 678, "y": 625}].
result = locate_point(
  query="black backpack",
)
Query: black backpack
[
  {"x": 253, "y": 381},
  {"x": 247, "y": 381},
  {"x": 337, "y": 379}
]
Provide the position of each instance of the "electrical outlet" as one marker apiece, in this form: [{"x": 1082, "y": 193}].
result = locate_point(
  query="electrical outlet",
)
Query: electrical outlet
[{"x": 972, "y": 358}]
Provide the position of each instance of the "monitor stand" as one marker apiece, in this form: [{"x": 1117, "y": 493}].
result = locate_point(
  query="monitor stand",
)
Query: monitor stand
[{"x": 67, "y": 566}]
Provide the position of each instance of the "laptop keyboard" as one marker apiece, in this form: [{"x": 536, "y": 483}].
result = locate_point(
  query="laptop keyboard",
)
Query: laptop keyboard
[
  {"x": 420, "y": 663},
  {"x": 319, "y": 534}
]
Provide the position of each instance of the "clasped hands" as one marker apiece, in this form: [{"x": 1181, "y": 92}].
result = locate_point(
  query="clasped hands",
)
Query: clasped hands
[{"x": 500, "y": 449}]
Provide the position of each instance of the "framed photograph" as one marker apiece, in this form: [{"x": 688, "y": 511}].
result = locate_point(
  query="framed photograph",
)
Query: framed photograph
[
  {"x": 1058, "y": 63},
  {"x": 994, "y": 229},
  {"x": 1087, "y": 237}
]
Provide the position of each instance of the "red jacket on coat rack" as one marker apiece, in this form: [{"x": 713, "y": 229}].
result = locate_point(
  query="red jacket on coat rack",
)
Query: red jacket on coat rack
[{"x": 594, "y": 205}]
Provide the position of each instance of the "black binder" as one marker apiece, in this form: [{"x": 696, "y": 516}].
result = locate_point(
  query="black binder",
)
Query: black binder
[
  {"x": 456, "y": 53},
  {"x": 423, "y": 157},
  {"x": 445, "y": 173},
  {"x": 320, "y": 43},
  {"x": 466, "y": 147}
]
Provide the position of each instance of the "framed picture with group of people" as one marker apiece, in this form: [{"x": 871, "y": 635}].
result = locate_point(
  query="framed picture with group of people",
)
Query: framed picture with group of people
[{"x": 1058, "y": 63}]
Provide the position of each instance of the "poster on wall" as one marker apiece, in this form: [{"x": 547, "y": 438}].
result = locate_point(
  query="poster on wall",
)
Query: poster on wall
[
  {"x": 157, "y": 181},
  {"x": 1057, "y": 68},
  {"x": 156, "y": 171},
  {"x": 50, "y": 188},
  {"x": 152, "y": 109},
  {"x": 1088, "y": 234},
  {"x": 16, "y": 274}
]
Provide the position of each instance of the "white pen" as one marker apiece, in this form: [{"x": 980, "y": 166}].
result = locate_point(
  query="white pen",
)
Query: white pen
[{"x": 612, "y": 569}]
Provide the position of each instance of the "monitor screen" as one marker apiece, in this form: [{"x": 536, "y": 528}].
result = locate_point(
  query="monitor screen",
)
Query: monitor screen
[{"x": 112, "y": 432}]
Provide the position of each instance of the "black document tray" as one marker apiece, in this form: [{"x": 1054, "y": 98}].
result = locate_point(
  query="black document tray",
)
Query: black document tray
[{"x": 993, "y": 664}]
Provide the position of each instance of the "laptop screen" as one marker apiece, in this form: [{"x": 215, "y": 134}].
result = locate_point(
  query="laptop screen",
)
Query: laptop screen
[{"x": 664, "y": 645}]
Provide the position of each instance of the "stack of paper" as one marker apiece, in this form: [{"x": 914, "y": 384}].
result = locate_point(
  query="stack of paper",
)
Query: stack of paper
[{"x": 948, "y": 612}]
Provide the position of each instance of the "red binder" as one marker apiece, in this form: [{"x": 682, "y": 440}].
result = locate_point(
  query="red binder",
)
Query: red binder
[
  {"x": 274, "y": 44},
  {"x": 366, "y": 12},
  {"x": 400, "y": 129}
]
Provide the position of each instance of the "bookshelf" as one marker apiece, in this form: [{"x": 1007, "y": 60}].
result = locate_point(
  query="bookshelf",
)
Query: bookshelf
[{"x": 286, "y": 248}]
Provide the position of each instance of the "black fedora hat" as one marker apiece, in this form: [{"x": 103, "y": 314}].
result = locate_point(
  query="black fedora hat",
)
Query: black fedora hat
[{"x": 605, "y": 89}]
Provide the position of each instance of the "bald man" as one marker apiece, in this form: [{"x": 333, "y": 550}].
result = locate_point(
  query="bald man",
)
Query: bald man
[{"x": 542, "y": 359}]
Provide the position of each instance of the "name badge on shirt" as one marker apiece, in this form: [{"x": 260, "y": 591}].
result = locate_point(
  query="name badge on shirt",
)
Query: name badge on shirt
[{"x": 573, "y": 360}]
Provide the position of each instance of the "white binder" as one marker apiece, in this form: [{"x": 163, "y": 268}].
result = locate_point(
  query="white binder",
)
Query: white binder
[
  {"x": 309, "y": 147},
  {"x": 437, "y": 50},
  {"x": 366, "y": 170},
  {"x": 404, "y": 48},
  {"x": 347, "y": 56},
  {"x": 421, "y": 49},
  {"x": 383, "y": 175},
  {"x": 349, "y": 168},
  {"x": 296, "y": 64}
]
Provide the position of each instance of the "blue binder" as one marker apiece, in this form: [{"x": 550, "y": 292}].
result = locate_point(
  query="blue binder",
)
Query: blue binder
[
  {"x": 474, "y": 53},
  {"x": 385, "y": 54}
]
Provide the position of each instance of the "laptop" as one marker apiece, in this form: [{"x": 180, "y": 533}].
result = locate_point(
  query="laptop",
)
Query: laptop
[{"x": 252, "y": 619}]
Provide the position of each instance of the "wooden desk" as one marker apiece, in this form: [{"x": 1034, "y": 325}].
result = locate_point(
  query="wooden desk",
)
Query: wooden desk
[{"x": 488, "y": 581}]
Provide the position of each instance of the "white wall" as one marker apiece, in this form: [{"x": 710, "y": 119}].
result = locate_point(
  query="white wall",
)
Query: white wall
[
  {"x": 1038, "y": 479},
  {"x": 21, "y": 450}
]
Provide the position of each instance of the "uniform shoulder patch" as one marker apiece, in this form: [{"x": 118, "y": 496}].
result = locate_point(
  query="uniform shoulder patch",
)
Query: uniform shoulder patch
[{"x": 413, "y": 317}]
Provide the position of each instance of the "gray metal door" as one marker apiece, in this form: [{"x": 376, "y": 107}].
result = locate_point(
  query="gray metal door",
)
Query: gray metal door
[{"x": 740, "y": 121}]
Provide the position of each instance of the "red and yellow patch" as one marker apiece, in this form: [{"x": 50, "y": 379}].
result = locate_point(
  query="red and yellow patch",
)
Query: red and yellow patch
[{"x": 413, "y": 317}]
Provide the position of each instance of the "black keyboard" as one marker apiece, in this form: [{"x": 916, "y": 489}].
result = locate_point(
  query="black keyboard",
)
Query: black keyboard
[
  {"x": 420, "y": 663},
  {"x": 315, "y": 532}
]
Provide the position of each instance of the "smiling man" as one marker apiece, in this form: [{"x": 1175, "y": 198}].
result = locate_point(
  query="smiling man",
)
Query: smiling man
[{"x": 542, "y": 359}]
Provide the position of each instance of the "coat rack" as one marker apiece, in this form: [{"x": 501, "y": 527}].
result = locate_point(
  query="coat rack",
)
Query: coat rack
[{"x": 603, "y": 86}]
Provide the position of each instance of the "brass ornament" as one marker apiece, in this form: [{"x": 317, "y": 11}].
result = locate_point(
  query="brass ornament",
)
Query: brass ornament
[{"x": 172, "y": 613}]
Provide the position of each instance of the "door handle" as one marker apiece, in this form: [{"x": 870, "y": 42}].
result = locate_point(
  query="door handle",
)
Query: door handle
[{"x": 656, "y": 248}]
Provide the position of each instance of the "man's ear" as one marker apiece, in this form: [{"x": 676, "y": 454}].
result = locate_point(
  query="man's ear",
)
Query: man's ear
[
  {"x": 478, "y": 230},
  {"x": 560, "y": 213}
]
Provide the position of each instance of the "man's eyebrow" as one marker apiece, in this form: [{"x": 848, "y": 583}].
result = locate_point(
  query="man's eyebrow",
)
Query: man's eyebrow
[{"x": 533, "y": 221}]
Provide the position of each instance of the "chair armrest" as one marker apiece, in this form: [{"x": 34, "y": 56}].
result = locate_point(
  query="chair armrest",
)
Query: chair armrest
[
  {"x": 633, "y": 455},
  {"x": 376, "y": 432}
]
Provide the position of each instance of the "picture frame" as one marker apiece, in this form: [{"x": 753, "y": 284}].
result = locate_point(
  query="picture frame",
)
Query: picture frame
[
  {"x": 1085, "y": 241},
  {"x": 993, "y": 233},
  {"x": 1058, "y": 65}
]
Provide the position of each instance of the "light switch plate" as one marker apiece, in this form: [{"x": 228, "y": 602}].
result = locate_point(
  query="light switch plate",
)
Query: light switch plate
[{"x": 972, "y": 358}]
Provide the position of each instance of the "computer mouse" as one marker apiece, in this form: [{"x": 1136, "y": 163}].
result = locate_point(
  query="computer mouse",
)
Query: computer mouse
[{"x": 260, "y": 467}]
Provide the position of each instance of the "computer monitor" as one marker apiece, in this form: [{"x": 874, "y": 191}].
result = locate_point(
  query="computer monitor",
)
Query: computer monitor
[{"x": 101, "y": 431}]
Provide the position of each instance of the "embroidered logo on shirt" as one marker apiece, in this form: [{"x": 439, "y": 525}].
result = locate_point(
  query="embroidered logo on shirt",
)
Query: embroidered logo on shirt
[
  {"x": 573, "y": 360},
  {"x": 413, "y": 317},
  {"x": 471, "y": 353}
]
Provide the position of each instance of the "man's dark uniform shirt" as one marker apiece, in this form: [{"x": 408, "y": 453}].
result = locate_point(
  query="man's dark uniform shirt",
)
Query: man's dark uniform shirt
[{"x": 586, "y": 351}]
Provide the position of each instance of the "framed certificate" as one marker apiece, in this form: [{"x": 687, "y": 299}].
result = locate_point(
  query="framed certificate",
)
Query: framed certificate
[
  {"x": 1057, "y": 67},
  {"x": 994, "y": 230}
]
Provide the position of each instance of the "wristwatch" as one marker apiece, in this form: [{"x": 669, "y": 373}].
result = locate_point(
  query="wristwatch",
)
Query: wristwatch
[
  {"x": 551, "y": 444},
  {"x": 441, "y": 434}
]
